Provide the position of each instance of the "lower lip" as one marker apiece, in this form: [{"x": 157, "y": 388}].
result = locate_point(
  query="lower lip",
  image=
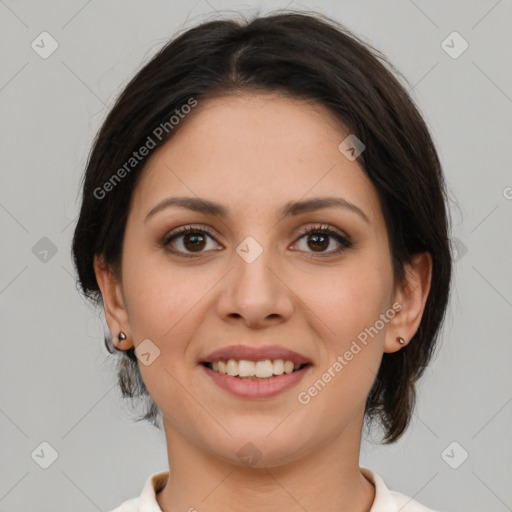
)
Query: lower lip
[{"x": 264, "y": 388}]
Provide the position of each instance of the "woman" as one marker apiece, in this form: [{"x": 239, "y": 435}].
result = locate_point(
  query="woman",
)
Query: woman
[{"x": 264, "y": 223}]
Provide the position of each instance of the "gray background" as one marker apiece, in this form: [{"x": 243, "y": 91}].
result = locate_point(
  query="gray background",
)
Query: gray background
[{"x": 58, "y": 385}]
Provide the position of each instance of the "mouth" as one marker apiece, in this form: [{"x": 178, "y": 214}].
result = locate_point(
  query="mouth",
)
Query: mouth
[{"x": 255, "y": 372}]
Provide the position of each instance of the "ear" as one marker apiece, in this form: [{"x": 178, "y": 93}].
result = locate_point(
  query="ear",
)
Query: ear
[
  {"x": 412, "y": 296},
  {"x": 116, "y": 313}
]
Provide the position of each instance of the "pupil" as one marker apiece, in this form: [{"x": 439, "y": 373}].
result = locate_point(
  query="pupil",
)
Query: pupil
[
  {"x": 194, "y": 241},
  {"x": 324, "y": 246}
]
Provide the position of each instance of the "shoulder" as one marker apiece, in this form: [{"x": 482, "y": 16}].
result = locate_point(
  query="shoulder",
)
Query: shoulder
[
  {"x": 406, "y": 504},
  {"x": 146, "y": 501},
  {"x": 391, "y": 501}
]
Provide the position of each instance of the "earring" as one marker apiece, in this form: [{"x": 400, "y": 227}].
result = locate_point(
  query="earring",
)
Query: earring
[
  {"x": 401, "y": 341},
  {"x": 110, "y": 345}
]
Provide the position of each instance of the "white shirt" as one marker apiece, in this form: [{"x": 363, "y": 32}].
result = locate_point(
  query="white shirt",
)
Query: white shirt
[{"x": 385, "y": 500}]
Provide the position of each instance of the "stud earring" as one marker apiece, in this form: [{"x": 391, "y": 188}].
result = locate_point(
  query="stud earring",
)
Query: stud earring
[
  {"x": 401, "y": 341},
  {"x": 109, "y": 342}
]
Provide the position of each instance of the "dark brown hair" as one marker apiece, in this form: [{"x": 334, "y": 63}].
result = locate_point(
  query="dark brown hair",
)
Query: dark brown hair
[{"x": 304, "y": 56}]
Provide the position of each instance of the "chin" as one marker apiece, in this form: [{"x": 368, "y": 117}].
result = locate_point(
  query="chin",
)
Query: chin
[{"x": 255, "y": 448}]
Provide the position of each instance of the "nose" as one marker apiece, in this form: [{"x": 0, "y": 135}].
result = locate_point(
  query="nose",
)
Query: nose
[{"x": 254, "y": 293}]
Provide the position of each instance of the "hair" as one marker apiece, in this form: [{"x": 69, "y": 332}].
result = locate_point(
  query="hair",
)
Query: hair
[{"x": 304, "y": 56}]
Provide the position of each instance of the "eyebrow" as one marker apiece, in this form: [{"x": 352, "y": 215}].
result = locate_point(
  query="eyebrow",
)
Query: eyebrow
[{"x": 291, "y": 208}]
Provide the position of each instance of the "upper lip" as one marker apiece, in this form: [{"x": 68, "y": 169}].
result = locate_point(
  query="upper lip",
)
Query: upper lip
[{"x": 271, "y": 352}]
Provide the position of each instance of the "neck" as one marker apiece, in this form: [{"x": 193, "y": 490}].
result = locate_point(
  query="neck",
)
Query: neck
[{"x": 327, "y": 479}]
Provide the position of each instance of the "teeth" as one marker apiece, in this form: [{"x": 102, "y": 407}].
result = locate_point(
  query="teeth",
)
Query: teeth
[
  {"x": 259, "y": 369},
  {"x": 246, "y": 368},
  {"x": 288, "y": 367},
  {"x": 278, "y": 367},
  {"x": 232, "y": 368},
  {"x": 264, "y": 369}
]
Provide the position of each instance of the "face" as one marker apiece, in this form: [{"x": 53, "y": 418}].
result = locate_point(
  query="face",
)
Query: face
[{"x": 254, "y": 283}]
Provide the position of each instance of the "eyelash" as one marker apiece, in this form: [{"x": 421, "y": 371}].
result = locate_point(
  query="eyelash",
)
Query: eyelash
[{"x": 323, "y": 229}]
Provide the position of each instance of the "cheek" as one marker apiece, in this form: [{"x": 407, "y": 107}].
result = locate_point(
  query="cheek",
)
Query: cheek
[
  {"x": 351, "y": 299},
  {"x": 164, "y": 303},
  {"x": 351, "y": 306},
  {"x": 160, "y": 295}
]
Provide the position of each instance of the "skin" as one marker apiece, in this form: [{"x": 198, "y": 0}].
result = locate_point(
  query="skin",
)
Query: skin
[{"x": 296, "y": 294}]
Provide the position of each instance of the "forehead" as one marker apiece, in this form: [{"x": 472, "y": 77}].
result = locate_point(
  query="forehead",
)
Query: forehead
[{"x": 253, "y": 151}]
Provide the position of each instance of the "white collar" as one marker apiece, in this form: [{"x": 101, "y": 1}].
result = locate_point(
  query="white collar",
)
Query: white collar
[{"x": 385, "y": 500}]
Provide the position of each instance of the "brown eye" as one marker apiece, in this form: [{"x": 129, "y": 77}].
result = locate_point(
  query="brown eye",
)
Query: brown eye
[
  {"x": 187, "y": 240},
  {"x": 319, "y": 238},
  {"x": 194, "y": 241},
  {"x": 318, "y": 241}
]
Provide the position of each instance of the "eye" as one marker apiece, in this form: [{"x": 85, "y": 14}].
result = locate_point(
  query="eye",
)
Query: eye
[
  {"x": 319, "y": 238},
  {"x": 190, "y": 241},
  {"x": 187, "y": 238}
]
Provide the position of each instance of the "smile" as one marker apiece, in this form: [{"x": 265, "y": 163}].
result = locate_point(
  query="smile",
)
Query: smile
[
  {"x": 252, "y": 386},
  {"x": 253, "y": 370}
]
